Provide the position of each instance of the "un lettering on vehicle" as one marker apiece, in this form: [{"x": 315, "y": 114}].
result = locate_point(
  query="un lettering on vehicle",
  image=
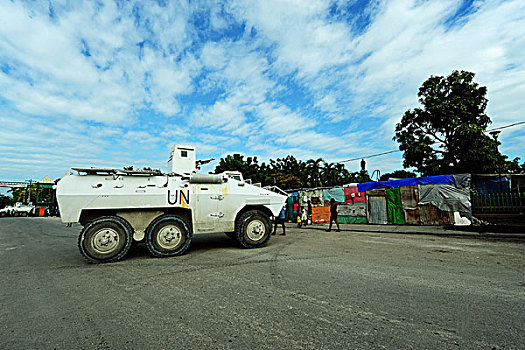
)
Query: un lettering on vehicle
[{"x": 179, "y": 197}]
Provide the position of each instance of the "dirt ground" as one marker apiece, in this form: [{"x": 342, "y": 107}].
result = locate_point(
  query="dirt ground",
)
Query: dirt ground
[{"x": 309, "y": 289}]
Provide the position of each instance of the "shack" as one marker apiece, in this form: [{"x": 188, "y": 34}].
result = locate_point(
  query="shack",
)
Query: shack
[{"x": 430, "y": 200}]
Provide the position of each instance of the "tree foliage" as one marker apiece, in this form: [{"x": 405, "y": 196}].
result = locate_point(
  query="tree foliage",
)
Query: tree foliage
[
  {"x": 5, "y": 200},
  {"x": 397, "y": 174},
  {"x": 33, "y": 194},
  {"x": 289, "y": 172},
  {"x": 447, "y": 135}
]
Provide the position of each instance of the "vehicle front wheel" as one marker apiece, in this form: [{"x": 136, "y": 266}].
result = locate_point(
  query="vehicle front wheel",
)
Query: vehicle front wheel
[
  {"x": 253, "y": 229},
  {"x": 105, "y": 239},
  {"x": 168, "y": 235}
]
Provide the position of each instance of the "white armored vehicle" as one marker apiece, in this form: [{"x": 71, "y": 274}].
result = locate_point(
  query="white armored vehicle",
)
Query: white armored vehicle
[
  {"x": 19, "y": 209},
  {"x": 117, "y": 207}
]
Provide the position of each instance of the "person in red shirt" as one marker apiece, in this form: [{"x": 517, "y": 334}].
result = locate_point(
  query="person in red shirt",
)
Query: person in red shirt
[{"x": 295, "y": 211}]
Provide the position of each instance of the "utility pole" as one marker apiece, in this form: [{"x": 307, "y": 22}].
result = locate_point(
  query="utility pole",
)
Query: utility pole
[
  {"x": 28, "y": 196},
  {"x": 495, "y": 135}
]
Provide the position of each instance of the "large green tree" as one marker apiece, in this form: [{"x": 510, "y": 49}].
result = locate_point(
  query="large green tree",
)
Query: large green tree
[
  {"x": 447, "y": 133},
  {"x": 291, "y": 173}
]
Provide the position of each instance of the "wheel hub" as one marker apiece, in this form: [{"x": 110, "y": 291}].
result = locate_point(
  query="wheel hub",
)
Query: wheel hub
[
  {"x": 169, "y": 237},
  {"x": 105, "y": 240},
  {"x": 255, "y": 230}
]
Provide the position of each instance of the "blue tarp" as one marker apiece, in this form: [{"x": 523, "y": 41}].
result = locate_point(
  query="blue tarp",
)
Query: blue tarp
[
  {"x": 490, "y": 186},
  {"x": 336, "y": 193},
  {"x": 427, "y": 180}
]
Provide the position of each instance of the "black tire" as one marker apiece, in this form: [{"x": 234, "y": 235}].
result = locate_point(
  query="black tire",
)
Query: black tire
[
  {"x": 253, "y": 229},
  {"x": 105, "y": 239},
  {"x": 168, "y": 235}
]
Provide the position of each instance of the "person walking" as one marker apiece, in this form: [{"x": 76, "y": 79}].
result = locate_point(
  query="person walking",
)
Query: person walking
[
  {"x": 333, "y": 215},
  {"x": 280, "y": 220}
]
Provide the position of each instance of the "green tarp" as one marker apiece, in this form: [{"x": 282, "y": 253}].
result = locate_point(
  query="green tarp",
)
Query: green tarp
[
  {"x": 289, "y": 208},
  {"x": 394, "y": 206},
  {"x": 348, "y": 219}
]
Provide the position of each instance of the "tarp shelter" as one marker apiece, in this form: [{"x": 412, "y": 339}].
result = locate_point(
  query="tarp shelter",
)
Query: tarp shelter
[
  {"x": 430, "y": 200},
  {"x": 352, "y": 195},
  {"x": 320, "y": 214},
  {"x": 426, "y": 180},
  {"x": 394, "y": 206},
  {"x": 491, "y": 184},
  {"x": 289, "y": 208},
  {"x": 315, "y": 196},
  {"x": 337, "y": 193},
  {"x": 446, "y": 197},
  {"x": 410, "y": 200}
]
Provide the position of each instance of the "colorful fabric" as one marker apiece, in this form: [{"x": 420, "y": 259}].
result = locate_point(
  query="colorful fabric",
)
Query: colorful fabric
[
  {"x": 352, "y": 195},
  {"x": 336, "y": 193},
  {"x": 320, "y": 214}
]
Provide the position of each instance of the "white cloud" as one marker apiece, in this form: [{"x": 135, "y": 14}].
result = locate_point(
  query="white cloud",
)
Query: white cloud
[{"x": 94, "y": 80}]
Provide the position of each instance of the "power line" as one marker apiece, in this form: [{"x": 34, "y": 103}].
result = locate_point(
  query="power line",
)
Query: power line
[
  {"x": 507, "y": 126},
  {"x": 370, "y": 156},
  {"x": 397, "y": 150}
]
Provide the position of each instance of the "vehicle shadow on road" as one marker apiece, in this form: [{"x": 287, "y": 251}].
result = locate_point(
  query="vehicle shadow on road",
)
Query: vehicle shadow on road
[{"x": 200, "y": 243}]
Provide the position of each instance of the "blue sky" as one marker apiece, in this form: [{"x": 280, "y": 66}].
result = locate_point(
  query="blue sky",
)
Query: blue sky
[{"x": 112, "y": 84}]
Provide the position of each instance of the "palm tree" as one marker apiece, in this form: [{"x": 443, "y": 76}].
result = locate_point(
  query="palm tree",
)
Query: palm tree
[
  {"x": 331, "y": 175},
  {"x": 314, "y": 167},
  {"x": 344, "y": 176}
]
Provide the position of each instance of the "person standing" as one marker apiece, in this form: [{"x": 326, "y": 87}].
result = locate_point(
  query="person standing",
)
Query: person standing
[
  {"x": 304, "y": 216},
  {"x": 333, "y": 215},
  {"x": 280, "y": 220},
  {"x": 309, "y": 211}
]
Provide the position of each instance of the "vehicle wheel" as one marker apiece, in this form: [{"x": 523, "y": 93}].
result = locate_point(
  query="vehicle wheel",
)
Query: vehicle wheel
[
  {"x": 105, "y": 239},
  {"x": 168, "y": 235},
  {"x": 253, "y": 229}
]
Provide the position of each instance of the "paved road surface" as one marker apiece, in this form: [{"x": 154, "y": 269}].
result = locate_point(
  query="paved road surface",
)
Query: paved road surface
[{"x": 308, "y": 290}]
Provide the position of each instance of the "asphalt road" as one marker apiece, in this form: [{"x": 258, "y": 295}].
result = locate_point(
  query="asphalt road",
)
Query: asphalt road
[{"x": 307, "y": 290}]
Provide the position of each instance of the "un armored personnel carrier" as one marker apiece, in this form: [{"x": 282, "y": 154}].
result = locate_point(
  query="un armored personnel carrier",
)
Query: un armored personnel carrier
[{"x": 118, "y": 207}]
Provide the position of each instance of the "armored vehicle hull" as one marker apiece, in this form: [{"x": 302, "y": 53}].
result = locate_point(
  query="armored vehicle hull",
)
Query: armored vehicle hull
[{"x": 165, "y": 210}]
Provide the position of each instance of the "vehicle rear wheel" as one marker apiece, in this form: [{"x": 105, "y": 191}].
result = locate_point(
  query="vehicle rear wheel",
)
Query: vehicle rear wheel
[
  {"x": 253, "y": 229},
  {"x": 105, "y": 239},
  {"x": 168, "y": 235}
]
